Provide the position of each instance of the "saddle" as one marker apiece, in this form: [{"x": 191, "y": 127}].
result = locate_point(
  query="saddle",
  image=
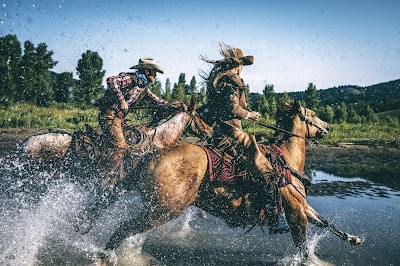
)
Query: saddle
[{"x": 226, "y": 168}]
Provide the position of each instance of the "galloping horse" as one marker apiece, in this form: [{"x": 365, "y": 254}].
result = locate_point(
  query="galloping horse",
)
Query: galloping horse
[
  {"x": 49, "y": 149},
  {"x": 174, "y": 178}
]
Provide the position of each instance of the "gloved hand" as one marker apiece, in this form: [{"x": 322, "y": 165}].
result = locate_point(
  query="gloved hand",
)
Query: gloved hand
[
  {"x": 179, "y": 105},
  {"x": 124, "y": 106}
]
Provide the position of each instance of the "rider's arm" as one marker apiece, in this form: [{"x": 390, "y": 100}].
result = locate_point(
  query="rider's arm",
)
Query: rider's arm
[
  {"x": 238, "y": 102},
  {"x": 117, "y": 83},
  {"x": 155, "y": 98}
]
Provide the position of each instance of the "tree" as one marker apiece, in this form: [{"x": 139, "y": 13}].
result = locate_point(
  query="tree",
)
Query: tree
[
  {"x": 10, "y": 57},
  {"x": 192, "y": 86},
  {"x": 43, "y": 83},
  {"x": 269, "y": 100},
  {"x": 167, "y": 94},
  {"x": 91, "y": 76},
  {"x": 178, "y": 91},
  {"x": 341, "y": 113},
  {"x": 156, "y": 87},
  {"x": 27, "y": 73},
  {"x": 312, "y": 97},
  {"x": 327, "y": 113},
  {"x": 63, "y": 87},
  {"x": 202, "y": 95}
]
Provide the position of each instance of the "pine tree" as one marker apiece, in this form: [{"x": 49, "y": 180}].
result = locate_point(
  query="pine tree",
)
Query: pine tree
[
  {"x": 192, "y": 87},
  {"x": 167, "y": 94},
  {"x": 312, "y": 97},
  {"x": 156, "y": 87}
]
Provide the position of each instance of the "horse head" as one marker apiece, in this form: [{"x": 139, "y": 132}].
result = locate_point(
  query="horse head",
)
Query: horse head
[
  {"x": 197, "y": 125},
  {"x": 301, "y": 121}
]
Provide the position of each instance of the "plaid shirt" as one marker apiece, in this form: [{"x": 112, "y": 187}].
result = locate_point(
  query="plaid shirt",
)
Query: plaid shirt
[{"x": 124, "y": 80}]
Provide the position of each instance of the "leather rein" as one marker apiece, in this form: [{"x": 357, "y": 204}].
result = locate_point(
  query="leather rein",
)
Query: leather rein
[{"x": 304, "y": 118}]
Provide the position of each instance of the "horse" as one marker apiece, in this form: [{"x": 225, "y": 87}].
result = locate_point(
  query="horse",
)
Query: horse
[
  {"x": 46, "y": 151},
  {"x": 174, "y": 178}
]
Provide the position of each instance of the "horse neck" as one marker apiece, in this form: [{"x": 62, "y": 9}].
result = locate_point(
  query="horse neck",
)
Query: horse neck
[
  {"x": 169, "y": 132},
  {"x": 294, "y": 147}
]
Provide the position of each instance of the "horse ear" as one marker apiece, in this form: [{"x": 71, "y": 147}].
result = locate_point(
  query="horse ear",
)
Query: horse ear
[
  {"x": 297, "y": 106},
  {"x": 193, "y": 103}
]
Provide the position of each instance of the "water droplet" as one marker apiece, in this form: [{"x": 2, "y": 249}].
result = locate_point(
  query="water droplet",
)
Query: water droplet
[
  {"x": 4, "y": 5},
  {"x": 33, "y": 5},
  {"x": 60, "y": 6}
]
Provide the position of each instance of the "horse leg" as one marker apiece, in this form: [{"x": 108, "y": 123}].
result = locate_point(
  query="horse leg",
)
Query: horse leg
[
  {"x": 140, "y": 224},
  {"x": 320, "y": 221},
  {"x": 295, "y": 216}
]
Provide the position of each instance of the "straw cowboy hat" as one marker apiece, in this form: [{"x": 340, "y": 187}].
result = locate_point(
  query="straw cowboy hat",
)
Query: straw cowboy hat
[{"x": 148, "y": 63}]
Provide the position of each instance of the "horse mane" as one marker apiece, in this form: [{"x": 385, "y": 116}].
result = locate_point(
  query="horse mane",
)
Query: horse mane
[{"x": 160, "y": 116}]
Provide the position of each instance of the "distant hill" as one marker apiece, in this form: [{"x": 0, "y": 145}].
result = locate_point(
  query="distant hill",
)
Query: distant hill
[{"x": 381, "y": 97}]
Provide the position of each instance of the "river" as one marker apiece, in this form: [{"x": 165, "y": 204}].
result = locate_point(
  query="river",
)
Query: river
[{"x": 36, "y": 213}]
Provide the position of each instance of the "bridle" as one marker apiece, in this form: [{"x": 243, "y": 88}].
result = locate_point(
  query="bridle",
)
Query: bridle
[
  {"x": 197, "y": 123},
  {"x": 309, "y": 122},
  {"x": 303, "y": 117}
]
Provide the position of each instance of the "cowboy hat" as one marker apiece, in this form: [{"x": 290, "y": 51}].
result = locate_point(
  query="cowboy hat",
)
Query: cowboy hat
[
  {"x": 147, "y": 63},
  {"x": 238, "y": 54}
]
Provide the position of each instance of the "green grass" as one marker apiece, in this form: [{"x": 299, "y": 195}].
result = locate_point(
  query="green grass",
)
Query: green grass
[
  {"x": 381, "y": 133},
  {"x": 59, "y": 116}
]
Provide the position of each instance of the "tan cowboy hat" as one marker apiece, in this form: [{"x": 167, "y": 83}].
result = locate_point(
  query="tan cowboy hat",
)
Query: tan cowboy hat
[
  {"x": 148, "y": 63},
  {"x": 238, "y": 54}
]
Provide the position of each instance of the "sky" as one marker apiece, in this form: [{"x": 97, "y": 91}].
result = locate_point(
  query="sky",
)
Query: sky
[{"x": 294, "y": 43}]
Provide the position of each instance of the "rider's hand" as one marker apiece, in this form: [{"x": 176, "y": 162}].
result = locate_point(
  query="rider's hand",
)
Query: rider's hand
[
  {"x": 253, "y": 115},
  {"x": 179, "y": 106},
  {"x": 124, "y": 106}
]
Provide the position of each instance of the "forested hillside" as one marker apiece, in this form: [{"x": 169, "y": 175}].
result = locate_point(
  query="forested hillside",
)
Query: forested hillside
[{"x": 381, "y": 97}]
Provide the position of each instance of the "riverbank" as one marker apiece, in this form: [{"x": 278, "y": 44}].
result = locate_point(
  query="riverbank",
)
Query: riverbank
[{"x": 339, "y": 157}]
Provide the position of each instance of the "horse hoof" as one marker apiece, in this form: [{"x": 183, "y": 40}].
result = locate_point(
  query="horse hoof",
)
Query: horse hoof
[{"x": 356, "y": 240}]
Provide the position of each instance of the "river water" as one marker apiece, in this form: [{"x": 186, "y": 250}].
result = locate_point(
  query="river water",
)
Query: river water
[{"x": 36, "y": 229}]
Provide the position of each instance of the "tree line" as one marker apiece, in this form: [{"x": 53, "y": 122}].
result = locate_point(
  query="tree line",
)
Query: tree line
[{"x": 26, "y": 76}]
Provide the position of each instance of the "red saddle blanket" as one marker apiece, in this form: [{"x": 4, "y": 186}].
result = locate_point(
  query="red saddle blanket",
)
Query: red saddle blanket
[{"x": 222, "y": 168}]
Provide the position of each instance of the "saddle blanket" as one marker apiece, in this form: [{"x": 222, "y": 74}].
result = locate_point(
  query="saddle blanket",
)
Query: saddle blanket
[{"x": 221, "y": 168}]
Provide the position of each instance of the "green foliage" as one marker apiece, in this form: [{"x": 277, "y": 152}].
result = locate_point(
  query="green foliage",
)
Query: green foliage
[
  {"x": 91, "y": 76},
  {"x": 156, "y": 87},
  {"x": 312, "y": 97},
  {"x": 63, "y": 87},
  {"x": 10, "y": 57},
  {"x": 58, "y": 116},
  {"x": 365, "y": 133},
  {"x": 167, "y": 94}
]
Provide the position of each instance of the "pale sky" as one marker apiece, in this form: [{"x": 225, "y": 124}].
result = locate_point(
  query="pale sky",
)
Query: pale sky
[{"x": 328, "y": 43}]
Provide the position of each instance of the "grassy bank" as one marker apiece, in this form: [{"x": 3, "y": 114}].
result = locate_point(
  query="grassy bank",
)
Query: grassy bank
[
  {"x": 385, "y": 132},
  {"x": 57, "y": 116}
]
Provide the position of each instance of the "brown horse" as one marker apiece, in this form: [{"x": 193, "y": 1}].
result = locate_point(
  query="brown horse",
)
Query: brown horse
[{"x": 174, "y": 178}]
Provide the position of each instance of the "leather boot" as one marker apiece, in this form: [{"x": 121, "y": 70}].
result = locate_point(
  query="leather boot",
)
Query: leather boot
[{"x": 277, "y": 222}]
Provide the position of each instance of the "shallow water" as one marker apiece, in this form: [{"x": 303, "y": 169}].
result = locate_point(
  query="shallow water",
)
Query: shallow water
[{"x": 36, "y": 229}]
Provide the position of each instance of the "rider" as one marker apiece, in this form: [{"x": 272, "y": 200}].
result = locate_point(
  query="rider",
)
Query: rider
[
  {"x": 226, "y": 107},
  {"x": 123, "y": 91}
]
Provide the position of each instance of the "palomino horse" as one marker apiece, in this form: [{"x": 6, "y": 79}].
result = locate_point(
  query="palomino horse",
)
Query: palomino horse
[
  {"x": 48, "y": 149},
  {"x": 174, "y": 178}
]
